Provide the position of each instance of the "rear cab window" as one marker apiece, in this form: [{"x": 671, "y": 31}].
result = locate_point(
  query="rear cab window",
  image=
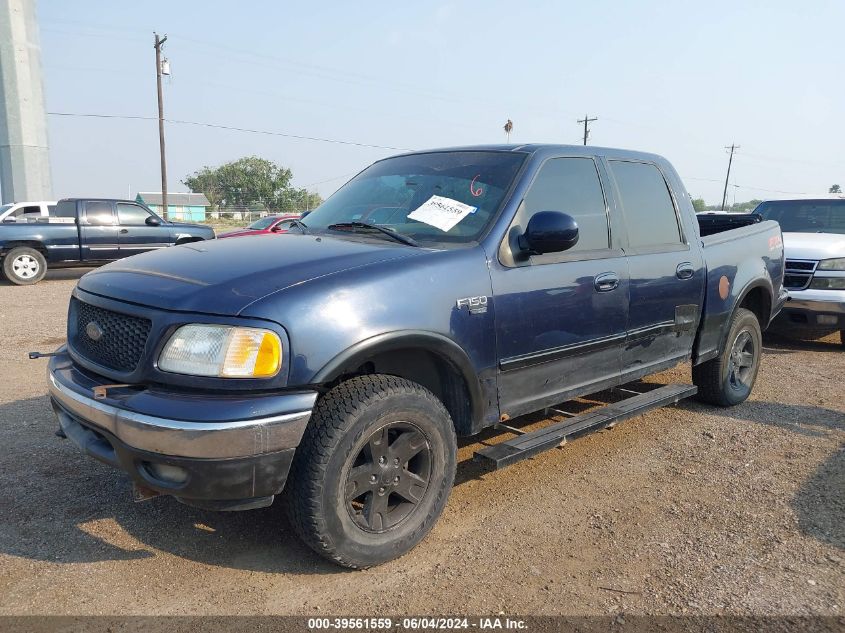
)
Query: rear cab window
[
  {"x": 99, "y": 212},
  {"x": 65, "y": 209}
]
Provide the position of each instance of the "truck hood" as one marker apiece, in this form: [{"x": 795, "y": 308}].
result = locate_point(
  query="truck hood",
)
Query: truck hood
[
  {"x": 813, "y": 245},
  {"x": 223, "y": 277}
]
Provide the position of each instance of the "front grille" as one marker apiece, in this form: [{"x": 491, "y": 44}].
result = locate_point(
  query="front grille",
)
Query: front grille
[
  {"x": 799, "y": 273},
  {"x": 122, "y": 339},
  {"x": 796, "y": 282},
  {"x": 801, "y": 264}
]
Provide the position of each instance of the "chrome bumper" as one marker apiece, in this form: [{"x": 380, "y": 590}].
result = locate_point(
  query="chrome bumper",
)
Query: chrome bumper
[
  {"x": 823, "y": 301},
  {"x": 183, "y": 438}
]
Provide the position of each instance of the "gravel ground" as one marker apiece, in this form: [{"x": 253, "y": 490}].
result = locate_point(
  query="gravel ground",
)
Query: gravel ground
[{"x": 688, "y": 509}]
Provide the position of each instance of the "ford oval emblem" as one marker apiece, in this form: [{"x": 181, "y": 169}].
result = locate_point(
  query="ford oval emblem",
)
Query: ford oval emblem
[{"x": 94, "y": 331}]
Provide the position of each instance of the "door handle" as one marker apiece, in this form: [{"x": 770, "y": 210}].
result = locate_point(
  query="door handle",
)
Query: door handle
[
  {"x": 685, "y": 270},
  {"x": 606, "y": 282},
  {"x": 124, "y": 230}
]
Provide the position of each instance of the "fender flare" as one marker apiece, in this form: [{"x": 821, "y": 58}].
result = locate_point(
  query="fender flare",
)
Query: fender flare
[
  {"x": 437, "y": 344},
  {"x": 753, "y": 285}
]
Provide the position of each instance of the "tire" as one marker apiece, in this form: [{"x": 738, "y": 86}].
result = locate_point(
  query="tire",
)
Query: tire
[
  {"x": 728, "y": 379},
  {"x": 24, "y": 266},
  {"x": 355, "y": 423}
]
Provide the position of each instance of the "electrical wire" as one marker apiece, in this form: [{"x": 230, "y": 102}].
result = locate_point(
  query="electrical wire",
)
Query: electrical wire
[{"x": 233, "y": 128}]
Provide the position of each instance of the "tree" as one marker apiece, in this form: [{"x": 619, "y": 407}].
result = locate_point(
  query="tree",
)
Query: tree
[
  {"x": 835, "y": 189},
  {"x": 699, "y": 205},
  {"x": 249, "y": 181}
]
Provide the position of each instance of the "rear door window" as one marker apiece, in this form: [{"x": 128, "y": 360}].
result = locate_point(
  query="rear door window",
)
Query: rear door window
[{"x": 647, "y": 204}]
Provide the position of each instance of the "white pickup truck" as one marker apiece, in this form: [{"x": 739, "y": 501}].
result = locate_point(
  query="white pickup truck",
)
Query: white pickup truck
[
  {"x": 22, "y": 211},
  {"x": 814, "y": 244}
]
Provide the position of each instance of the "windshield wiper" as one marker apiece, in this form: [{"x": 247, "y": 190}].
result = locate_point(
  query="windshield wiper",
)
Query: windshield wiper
[{"x": 374, "y": 227}]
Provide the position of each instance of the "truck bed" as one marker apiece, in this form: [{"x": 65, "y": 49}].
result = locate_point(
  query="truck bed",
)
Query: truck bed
[
  {"x": 735, "y": 267},
  {"x": 716, "y": 222}
]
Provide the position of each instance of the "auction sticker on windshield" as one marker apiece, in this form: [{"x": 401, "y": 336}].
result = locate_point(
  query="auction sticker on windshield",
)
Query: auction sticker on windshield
[{"x": 443, "y": 213}]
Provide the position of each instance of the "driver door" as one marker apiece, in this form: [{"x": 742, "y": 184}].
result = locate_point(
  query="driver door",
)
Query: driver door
[
  {"x": 135, "y": 235},
  {"x": 560, "y": 317}
]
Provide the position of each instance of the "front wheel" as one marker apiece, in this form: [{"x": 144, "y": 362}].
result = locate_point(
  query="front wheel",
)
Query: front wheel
[
  {"x": 24, "y": 266},
  {"x": 373, "y": 471},
  {"x": 728, "y": 379}
]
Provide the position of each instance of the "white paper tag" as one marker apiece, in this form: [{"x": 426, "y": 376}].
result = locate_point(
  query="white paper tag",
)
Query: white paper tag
[{"x": 440, "y": 212}]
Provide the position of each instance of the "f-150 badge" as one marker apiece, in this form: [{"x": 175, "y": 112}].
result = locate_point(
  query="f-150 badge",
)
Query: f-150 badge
[{"x": 476, "y": 305}]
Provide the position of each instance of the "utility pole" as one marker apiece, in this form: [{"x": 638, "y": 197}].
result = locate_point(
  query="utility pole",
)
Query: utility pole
[
  {"x": 159, "y": 41},
  {"x": 586, "y": 121},
  {"x": 732, "y": 149}
]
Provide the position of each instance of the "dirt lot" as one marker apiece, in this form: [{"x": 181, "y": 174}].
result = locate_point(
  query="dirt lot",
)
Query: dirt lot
[{"x": 689, "y": 509}]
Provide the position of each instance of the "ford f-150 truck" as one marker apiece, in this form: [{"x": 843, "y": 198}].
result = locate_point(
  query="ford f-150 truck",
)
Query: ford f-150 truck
[
  {"x": 814, "y": 242},
  {"x": 87, "y": 232},
  {"x": 339, "y": 361}
]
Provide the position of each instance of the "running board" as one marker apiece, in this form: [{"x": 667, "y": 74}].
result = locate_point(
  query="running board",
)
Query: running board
[{"x": 530, "y": 444}]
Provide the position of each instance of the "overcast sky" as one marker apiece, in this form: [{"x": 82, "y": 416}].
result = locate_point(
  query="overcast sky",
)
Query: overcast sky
[{"x": 681, "y": 79}]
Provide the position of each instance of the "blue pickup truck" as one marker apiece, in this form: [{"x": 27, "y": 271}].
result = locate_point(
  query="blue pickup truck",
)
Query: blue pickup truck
[
  {"x": 87, "y": 232},
  {"x": 434, "y": 295}
]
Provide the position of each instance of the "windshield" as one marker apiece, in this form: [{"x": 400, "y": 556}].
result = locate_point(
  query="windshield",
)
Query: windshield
[
  {"x": 438, "y": 197},
  {"x": 806, "y": 216},
  {"x": 263, "y": 223},
  {"x": 5, "y": 208}
]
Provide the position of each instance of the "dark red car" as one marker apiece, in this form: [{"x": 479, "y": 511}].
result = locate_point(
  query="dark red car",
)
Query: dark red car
[{"x": 268, "y": 224}]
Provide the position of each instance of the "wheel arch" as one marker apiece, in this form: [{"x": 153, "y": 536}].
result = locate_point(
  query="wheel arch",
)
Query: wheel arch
[
  {"x": 756, "y": 297},
  {"x": 34, "y": 244},
  {"x": 427, "y": 358}
]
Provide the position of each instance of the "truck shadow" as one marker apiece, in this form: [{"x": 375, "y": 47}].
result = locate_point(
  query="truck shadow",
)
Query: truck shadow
[
  {"x": 59, "y": 506},
  {"x": 56, "y": 274},
  {"x": 808, "y": 420},
  {"x": 819, "y": 504},
  {"x": 780, "y": 344}
]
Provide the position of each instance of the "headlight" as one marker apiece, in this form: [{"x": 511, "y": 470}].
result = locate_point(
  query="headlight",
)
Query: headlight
[
  {"x": 828, "y": 283},
  {"x": 832, "y": 264},
  {"x": 222, "y": 350}
]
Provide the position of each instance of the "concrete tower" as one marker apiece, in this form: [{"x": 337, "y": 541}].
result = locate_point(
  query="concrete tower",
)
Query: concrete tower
[{"x": 24, "y": 155}]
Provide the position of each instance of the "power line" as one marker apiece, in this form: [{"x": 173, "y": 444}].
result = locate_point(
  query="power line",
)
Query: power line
[
  {"x": 228, "y": 127},
  {"x": 797, "y": 193}
]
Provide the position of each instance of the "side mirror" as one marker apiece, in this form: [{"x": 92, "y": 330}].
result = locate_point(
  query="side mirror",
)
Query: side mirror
[
  {"x": 549, "y": 232},
  {"x": 152, "y": 221}
]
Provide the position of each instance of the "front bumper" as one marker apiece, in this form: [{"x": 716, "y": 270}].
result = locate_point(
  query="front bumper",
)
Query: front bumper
[
  {"x": 229, "y": 451},
  {"x": 815, "y": 311}
]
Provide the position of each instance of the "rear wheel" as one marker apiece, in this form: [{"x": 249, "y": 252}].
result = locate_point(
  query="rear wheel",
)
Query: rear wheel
[
  {"x": 24, "y": 266},
  {"x": 728, "y": 379},
  {"x": 373, "y": 471}
]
